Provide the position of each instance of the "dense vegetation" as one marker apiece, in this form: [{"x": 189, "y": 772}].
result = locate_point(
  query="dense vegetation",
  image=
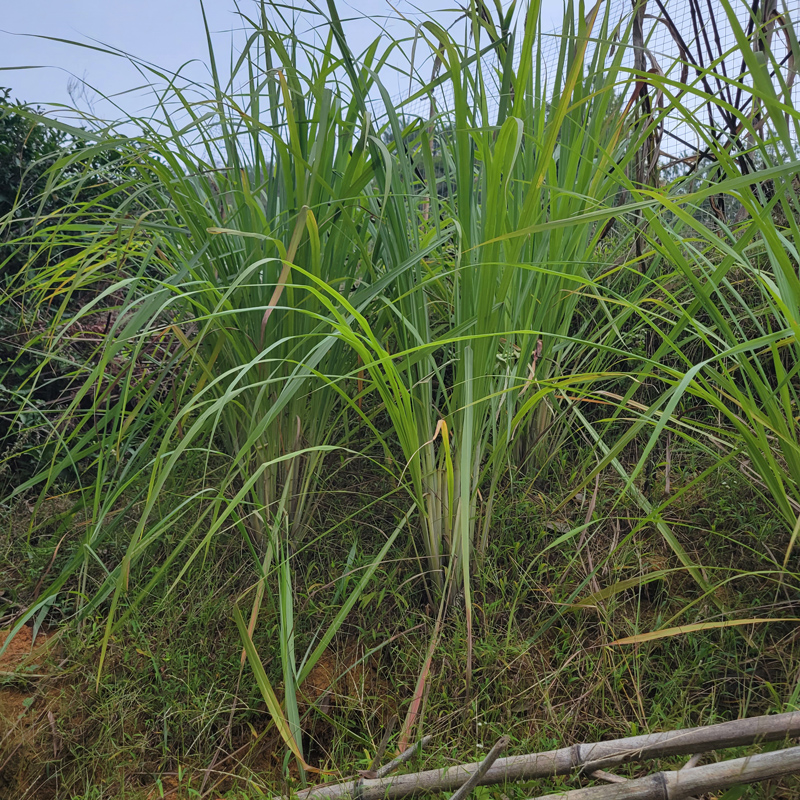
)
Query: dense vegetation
[{"x": 314, "y": 416}]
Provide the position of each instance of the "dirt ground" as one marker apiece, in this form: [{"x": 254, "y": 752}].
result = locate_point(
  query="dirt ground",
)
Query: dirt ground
[{"x": 27, "y": 710}]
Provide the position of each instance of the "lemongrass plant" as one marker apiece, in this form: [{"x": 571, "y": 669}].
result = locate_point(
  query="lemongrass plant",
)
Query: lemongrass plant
[
  {"x": 725, "y": 298},
  {"x": 251, "y": 239},
  {"x": 253, "y": 199},
  {"x": 478, "y": 345}
]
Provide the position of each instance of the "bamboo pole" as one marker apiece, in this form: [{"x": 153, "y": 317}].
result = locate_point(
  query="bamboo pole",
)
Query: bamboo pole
[
  {"x": 684, "y": 783},
  {"x": 584, "y": 757}
]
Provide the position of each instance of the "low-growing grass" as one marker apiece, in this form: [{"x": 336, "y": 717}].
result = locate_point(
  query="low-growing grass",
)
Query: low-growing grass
[{"x": 545, "y": 671}]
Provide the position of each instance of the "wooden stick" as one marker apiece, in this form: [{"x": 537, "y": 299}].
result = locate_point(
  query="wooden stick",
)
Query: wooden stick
[
  {"x": 693, "y": 761},
  {"x": 586, "y": 757},
  {"x": 406, "y": 755},
  {"x": 487, "y": 762},
  {"x": 684, "y": 783},
  {"x": 372, "y": 772},
  {"x": 608, "y": 777},
  {"x": 690, "y": 764}
]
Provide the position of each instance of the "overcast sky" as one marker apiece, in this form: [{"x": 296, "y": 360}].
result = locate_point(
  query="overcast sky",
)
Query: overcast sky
[{"x": 167, "y": 33}]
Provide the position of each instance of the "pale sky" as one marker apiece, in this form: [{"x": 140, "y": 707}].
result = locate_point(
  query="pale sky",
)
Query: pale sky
[{"x": 167, "y": 33}]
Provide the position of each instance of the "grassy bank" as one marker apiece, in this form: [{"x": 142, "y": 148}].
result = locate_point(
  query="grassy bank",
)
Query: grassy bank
[{"x": 316, "y": 417}]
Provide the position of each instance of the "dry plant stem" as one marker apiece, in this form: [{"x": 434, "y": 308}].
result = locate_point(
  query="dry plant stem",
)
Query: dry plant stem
[
  {"x": 487, "y": 762},
  {"x": 668, "y": 465},
  {"x": 54, "y": 730},
  {"x": 379, "y": 753},
  {"x": 684, "y": 783},
  {"x": 406, "y": 755},
  {"x": 589, "y": 513},
  {"x": 209, "y": 769},
  {"x": 585, "y": 757},
  {"x": 419, "y": 690}
]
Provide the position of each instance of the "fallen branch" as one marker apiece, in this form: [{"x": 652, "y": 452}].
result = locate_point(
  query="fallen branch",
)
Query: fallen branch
[
  {"x": 584, "y": 757},
  {"x": 684, "y": 783}
]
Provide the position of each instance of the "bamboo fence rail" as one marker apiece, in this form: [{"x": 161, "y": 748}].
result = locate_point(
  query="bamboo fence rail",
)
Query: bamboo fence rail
[
  {"x": 684, "y": 783},
  {"x": 586, "y": 758}
]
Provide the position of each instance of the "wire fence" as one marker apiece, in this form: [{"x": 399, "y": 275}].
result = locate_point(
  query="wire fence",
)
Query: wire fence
[{"x": 688, "y": 41}]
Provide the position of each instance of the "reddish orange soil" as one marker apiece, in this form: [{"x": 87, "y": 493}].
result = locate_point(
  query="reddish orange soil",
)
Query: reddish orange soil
[{"x": 22, "y": 714}]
